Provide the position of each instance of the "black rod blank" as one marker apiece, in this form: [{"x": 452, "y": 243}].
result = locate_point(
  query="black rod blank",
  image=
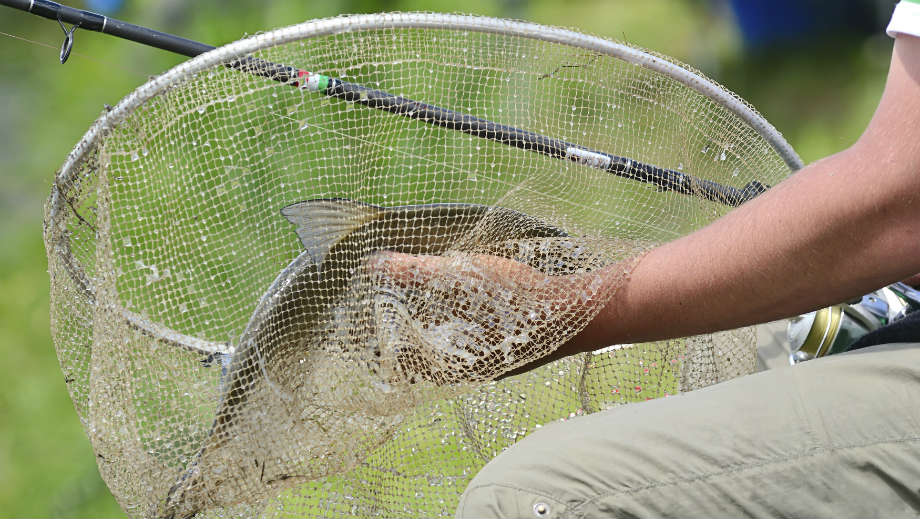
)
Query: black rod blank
[
  {"x": 662, "y": 178},
  {"x": 98, "y": 23}
]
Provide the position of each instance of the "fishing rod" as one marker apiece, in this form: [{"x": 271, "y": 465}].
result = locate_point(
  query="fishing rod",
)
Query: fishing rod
[{"x": 662, "y": 178}]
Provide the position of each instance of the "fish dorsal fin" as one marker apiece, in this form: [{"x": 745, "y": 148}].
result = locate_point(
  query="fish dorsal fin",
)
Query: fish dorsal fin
[{"x": 323, "y": 222}]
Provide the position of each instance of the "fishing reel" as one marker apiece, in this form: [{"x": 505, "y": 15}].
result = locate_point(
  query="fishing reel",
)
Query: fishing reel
[{"x": 836, "y": 329}]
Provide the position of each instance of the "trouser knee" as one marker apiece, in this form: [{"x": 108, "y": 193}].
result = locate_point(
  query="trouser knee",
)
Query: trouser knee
[{"x": 510, "y": 486}]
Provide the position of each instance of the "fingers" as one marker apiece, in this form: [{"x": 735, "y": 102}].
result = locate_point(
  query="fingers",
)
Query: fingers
[
  {"x": 475, "y": 316},
  {"x": 406, "y": 269},
  {"x": 491, "y": 273},
  {"x": 412, "y": 270}
]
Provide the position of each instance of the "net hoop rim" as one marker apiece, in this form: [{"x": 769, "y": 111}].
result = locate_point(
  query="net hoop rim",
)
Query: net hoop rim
[{"x": 55, "y": 228}]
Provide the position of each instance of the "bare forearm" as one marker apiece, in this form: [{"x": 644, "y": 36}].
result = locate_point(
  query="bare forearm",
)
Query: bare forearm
[
  {"x": 803, "y": 246},
  {"x": 839, "y": 228}
]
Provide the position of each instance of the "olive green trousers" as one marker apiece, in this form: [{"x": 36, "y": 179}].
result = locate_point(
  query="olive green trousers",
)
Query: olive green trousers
[{"x": 832, "y": 437}]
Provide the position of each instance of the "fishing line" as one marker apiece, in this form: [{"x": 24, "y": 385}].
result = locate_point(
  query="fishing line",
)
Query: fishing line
[{"x": 80, "y": 55}]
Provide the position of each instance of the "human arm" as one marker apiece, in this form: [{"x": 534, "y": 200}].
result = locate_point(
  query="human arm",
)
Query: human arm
[{"x": 840, "y": 227}]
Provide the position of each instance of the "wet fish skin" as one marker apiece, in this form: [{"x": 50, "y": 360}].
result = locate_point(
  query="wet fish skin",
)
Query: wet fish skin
[{"x": 338, "y": 236}]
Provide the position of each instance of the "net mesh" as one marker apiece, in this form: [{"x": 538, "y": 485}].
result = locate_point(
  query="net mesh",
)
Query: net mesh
[{"x": 226, "y": 335}]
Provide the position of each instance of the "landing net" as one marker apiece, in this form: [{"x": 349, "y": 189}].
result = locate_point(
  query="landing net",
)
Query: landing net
[{"x": 229, "y": 344}]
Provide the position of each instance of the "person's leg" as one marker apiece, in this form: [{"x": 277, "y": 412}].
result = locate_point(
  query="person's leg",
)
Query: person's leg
[{"x": 838, "y": 436}]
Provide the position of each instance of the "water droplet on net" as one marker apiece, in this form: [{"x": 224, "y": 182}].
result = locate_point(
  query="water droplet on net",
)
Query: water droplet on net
[{"x": 135, "y": 156}]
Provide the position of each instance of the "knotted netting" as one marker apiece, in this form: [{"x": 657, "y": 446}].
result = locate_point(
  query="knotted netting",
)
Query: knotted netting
[{"x": 227, "y": 336}]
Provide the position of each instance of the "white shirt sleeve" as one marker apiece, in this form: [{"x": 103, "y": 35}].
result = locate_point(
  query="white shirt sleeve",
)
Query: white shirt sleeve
[{"x": 905, "y": 19}]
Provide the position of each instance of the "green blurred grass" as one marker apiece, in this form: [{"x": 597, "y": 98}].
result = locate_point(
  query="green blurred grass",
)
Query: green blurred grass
[{"x": 820, "y": 96}]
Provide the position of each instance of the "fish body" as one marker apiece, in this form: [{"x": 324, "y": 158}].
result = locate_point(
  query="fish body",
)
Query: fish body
[{"x": 338, "y": 235}]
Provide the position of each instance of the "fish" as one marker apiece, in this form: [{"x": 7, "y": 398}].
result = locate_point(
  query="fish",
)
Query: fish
[{"x": 338, "y": 236}]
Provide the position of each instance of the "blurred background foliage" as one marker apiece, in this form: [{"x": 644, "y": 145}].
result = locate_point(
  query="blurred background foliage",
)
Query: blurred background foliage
[{"x": 814, "y": 68}]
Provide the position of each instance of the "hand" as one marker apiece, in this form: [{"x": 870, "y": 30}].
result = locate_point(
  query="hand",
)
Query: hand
[{"x": 480, "y": 317}]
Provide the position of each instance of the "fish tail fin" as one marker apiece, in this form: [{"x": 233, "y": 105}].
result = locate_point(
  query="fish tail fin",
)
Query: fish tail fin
[{"x": 323, "y": 222}]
